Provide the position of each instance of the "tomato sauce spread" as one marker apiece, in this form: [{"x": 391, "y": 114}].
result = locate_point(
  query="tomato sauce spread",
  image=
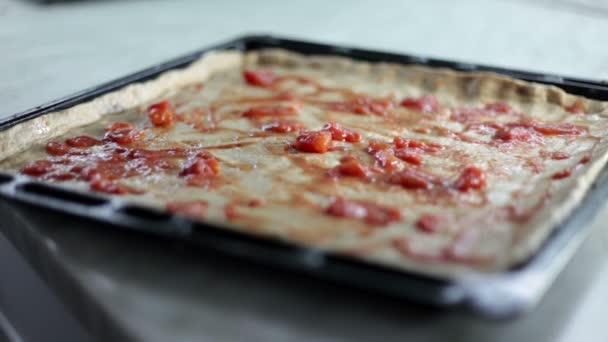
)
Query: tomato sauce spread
[
  {"x": 103, "y": 163},
  {"x": 273, "y": 111},
  {"x": 351, "y": 152},
  {"x": 282, "y": 126},
  {"x": 364, "y": 105}
]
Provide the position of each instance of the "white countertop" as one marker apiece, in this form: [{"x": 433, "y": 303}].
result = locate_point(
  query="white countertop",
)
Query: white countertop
[{"x": 50, "y": 51}]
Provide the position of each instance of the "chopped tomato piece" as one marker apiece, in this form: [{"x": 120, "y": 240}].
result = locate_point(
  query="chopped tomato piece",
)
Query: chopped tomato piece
[
  {"x": 343, "y": 208},
  {"x": 577, "y": 107},
  {"x": 256, "y": 202},
  {"x": 515, "y": 133},
  {"x": 417, "y": 144},
  {"x": 400, "y": 142},
  {"x": 260, "y": 78},
  {"x": 386, "y": 159},
  {"x": 162, "y": 114},
  {"x": 204, "y": 164},
  {"x": 82, "y": 141},
  {"x": 559, "y": 155},
  {"x": 383, "y": 153},
  {"x": 559, "y": 129},
  {"x": 411, "y": 178},
  {"x": 408, "y": 156},
  {"x": 562, "y": 174},
  {"x": 350, "y": 167},
  {"x": 283, "y": 126},
  {"x": 37, "y": 168},
  {"x": 57, "y": 148},
  {"x": 231, "y": 211},
  {"x": 471, "y": 178},
  {"x": 63, "y": 176},
  {"x": 424, "y": 104},
  {"x": 585, "y": 159},
  {"x": 340, "y": 133},
  {"x": 431, "y": 223},
  {"x": 110, "y": 187},
  {"x": 377, "y": 145},
  {"x": 381, "y": 215},
  {"x": 257, "y": 112},
  {"x": 119, "y": 125},
  {"x": 313, "y": 142},
  {"x": 193, "y": 209},
  {"x": 124, "y": 136},
  {"x": 370, "y": 213}
]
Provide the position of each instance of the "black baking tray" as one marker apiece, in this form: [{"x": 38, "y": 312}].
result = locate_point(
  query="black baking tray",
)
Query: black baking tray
[{"x": 497, "y": 295}]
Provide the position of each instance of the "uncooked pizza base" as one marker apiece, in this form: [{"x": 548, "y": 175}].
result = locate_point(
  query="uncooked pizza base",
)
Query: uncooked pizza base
[{"x": 454, "y": 89}]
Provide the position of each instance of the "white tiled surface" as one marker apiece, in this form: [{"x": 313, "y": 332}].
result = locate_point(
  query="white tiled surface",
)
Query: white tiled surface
[{"x": 50, "y": 51}]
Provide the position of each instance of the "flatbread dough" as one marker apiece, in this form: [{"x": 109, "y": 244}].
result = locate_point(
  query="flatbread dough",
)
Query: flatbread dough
[{"x": 497, "y": 227}]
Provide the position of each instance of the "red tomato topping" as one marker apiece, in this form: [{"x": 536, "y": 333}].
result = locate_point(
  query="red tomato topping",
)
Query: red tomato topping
[
  {"x": 431, "y": 223},
  {"x": 350, "y": 167},
  {"x": 82, "y": 141},
  {"x": 471, "y": 178},
  {"x": 411, "y": 178},
  {"x": 370, "y": 213},
  {"x": 364, "y": 105},
  {"x": 193, "y": 209},
  {"x": 123, "y": 136},
  {"x": 162, "y": 114},
  {"x": 562, "y": 174},
  {"x": 119, "y": 125},
  {"x": 529, "y": 131},
  {"x": 313, "y": 142},
  {"x": 204, "y": 164},
  {"x": 424, "y": 104},
  {"x": 256, "y": 202},
  {"x": 585, "y": 159},
  {"x": 400, "y": 142},
  {"x": 559, "y": 129},
  {"x": 559, "y": 155},
  {"x": 257, "y": 112},
  {"x": 408, "y": 156},
  {"x": 577, "y": 107},
  {"x": 37, "y": 168},
  {"x": 340, "y": 133},
  {"x": 386, "y": 159},
  {"x": 57, "y": 148},
  {"x": 377, "y": 145},
  {"x": 110, "y": 187},
  {"x": 515, "y": 133},
  {"x": 231, "y": 211},
  {"x": 384, "y": 154},
  {"x": 260, "y": 78},
  {"x": 283, "y": 126},
  {"x": 417, "y": 144}
]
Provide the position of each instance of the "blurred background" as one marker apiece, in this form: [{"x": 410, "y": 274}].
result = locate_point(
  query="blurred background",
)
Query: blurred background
[
  {"x": 54, "y": 48},
  {"x": 49, "y": 49}
]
